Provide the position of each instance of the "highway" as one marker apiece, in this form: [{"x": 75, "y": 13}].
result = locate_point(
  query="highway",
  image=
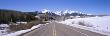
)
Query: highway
[{"x": 58, "y": 29}]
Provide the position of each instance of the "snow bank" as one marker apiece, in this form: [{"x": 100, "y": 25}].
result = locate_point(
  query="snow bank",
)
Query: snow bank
[
  {"x": 3, "y": 32},
  {"x": 23, "y": 31},
  {"x": 3, "y": 29},
  {"x": 21, "y": 22},
  {"x": 101, "y": 24},
  {"x": 4, "y": 25}
]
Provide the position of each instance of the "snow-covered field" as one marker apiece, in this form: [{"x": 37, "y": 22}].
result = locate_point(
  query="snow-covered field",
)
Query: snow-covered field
[
  {"x": 101, "y": 24},
  {"x": 22, "y": 31}
]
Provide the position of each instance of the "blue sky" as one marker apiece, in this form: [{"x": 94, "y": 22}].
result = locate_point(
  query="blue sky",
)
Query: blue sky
[{"x": 87, "y": 6}]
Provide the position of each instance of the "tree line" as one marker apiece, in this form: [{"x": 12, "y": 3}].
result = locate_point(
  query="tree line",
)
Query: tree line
[{"x": 7, "y": 16}]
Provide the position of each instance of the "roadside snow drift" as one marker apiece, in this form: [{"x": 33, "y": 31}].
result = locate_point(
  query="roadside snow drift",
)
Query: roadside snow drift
[
  {"x": 4, "y": 28},
  {"x": 101, "y": 24},
  {"x": 23, "y": 31}
]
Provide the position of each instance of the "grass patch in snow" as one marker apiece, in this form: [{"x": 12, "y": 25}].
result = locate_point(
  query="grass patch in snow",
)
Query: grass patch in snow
[
  {"x": 25, "y": 26},
  {"x": 84, "y": 24}
]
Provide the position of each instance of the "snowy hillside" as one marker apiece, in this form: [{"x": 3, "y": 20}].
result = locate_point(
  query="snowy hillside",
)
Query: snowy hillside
[{"x": 101, "y": 24}]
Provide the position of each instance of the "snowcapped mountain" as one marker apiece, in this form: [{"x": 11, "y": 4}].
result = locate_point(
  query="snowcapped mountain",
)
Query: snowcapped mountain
[
  {"x": 65, "y": 12},
  {"x": 45, "y": 10}
]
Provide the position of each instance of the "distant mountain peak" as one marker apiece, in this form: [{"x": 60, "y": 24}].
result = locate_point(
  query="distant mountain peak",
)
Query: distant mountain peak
[
  {"x": 62, "y": 12},
  {"x": 45, "y": 10}
]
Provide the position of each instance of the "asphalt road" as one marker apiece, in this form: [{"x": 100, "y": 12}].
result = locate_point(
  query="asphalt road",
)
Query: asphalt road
[{"x": 58, "y": 29}]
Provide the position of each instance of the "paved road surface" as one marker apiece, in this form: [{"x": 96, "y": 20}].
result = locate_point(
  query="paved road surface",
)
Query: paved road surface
[{"x": 58, "y": 29}]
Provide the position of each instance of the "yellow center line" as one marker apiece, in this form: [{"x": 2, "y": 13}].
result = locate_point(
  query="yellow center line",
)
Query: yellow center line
[{"x": 54, "y": 30}]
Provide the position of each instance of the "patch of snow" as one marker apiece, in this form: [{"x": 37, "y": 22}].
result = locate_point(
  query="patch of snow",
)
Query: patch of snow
[
  {"x": 89, "y": 14},
  {"x": 72, "y": 11},
  {"x": 69, "y": 11},
  {"x": 4, "y": 29},
  {"x": 58, "y": 13},
  {"x": 21, "y": 22},
  {"x": 23, "y": 31},
  {"x": 4, "y": 25},
  {"x": 100, "y": 24},
  {"x": 37, "y": 16},
  {"x": 72, "y": 16},
  {"x": 77, "y": 16},
  {"x": 3, "y": 32},
  {"x": 66, "y": 11},
  {"x": 18, "y": 33}
]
